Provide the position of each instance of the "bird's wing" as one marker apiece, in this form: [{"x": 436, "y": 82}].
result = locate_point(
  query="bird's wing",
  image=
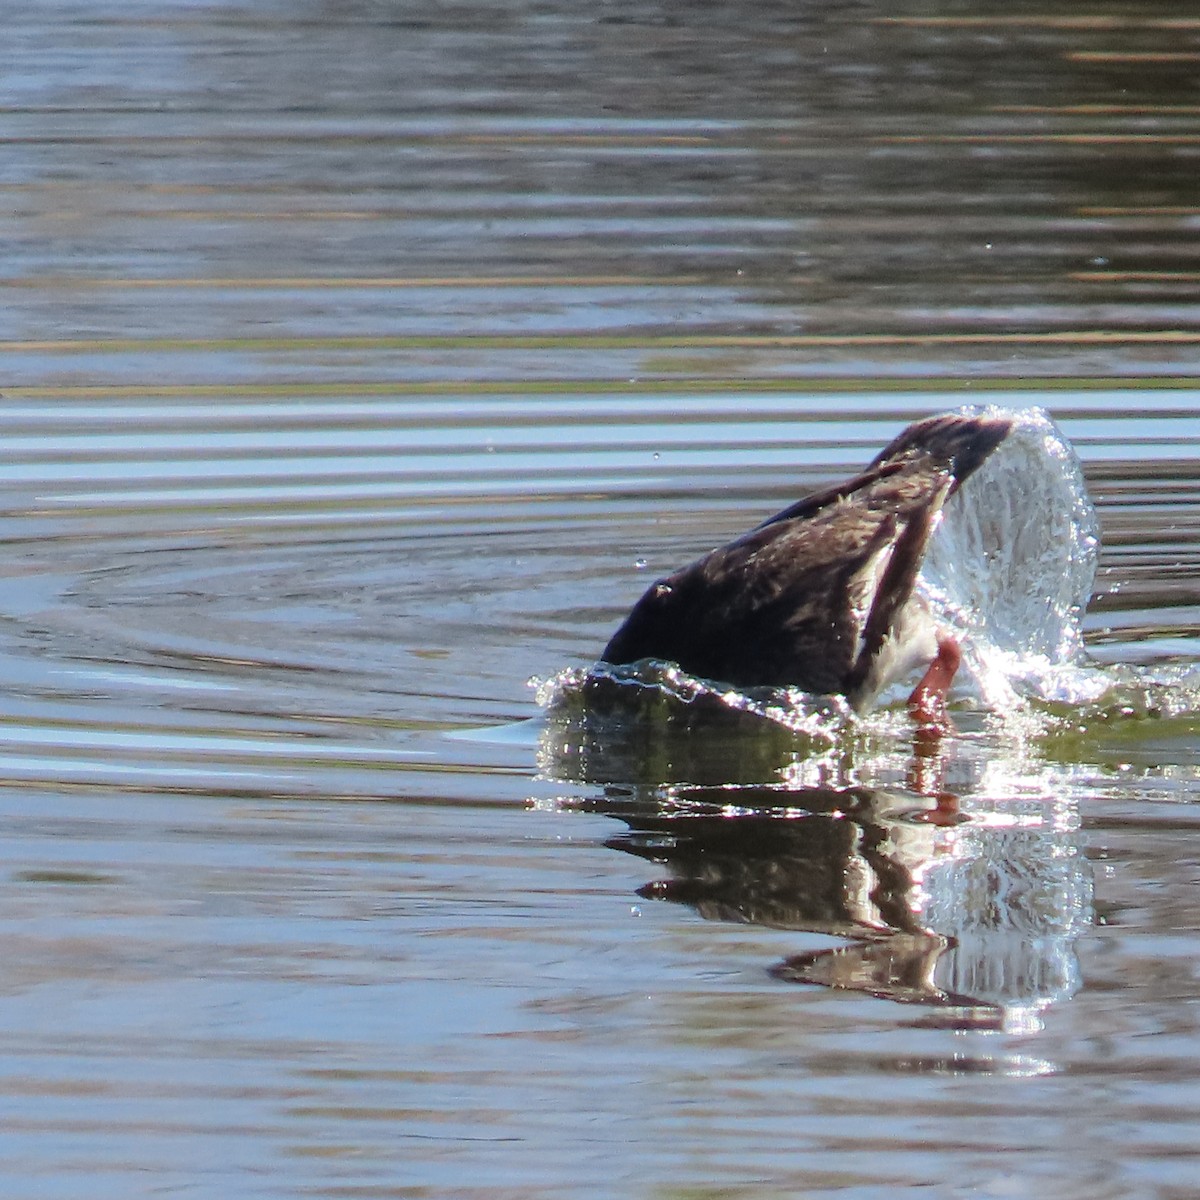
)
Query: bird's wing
[{"x": 799, "y": 601}]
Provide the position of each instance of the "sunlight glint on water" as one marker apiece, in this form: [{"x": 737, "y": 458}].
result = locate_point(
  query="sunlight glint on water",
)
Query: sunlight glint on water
[{"x": 360, "y": 364}]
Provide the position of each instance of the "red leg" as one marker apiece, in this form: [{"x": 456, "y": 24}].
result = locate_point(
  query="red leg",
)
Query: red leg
[
  {"x": 926, "y": 776},
  {"x": 927, "y": 704}
]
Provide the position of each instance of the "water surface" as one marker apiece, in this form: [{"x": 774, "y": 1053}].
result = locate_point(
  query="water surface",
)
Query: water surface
[{"x": 360, "y": 365}]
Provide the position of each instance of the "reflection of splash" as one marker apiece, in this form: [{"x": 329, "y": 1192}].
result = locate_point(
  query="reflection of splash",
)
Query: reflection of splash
[{"x": 979, "y": 915}]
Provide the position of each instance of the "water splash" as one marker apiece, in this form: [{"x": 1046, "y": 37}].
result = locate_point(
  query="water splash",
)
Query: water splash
[
  {"x": 654, "y": 723},
  {"x": 794, "y": 710},
  {"x": 1010, "y": 570},
  {"x": 1012, "y": 564}
]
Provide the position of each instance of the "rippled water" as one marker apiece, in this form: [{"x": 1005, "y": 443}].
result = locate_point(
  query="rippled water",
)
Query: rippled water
[{"x": 362, "y": 363}]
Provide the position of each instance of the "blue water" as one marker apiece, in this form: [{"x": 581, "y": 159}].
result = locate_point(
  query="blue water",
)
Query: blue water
[{"x": 361, "y": 366}]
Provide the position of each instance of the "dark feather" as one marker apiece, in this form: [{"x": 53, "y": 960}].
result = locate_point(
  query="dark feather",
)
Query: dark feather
[{"x": 809, "y": 597}]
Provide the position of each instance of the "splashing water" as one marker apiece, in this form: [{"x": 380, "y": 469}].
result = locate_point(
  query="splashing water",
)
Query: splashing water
[
  {"x": 794, "y": 710},
  {"x": 1009, "y": 570},
  {"x": 653, "y": 723},
  {"x": 1011, "y": 566}
]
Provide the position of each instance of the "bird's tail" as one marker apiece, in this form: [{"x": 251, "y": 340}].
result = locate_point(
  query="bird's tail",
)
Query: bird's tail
[{"x": 963, "y": 441}]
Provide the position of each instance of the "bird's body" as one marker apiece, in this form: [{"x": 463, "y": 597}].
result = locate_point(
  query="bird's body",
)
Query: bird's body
[{"x": 821, "y": 596}]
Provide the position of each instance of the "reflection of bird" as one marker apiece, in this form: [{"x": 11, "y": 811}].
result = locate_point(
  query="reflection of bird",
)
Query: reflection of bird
[
  {"x": 983, "y": 914},
  {"x": 821, "y": 596}
]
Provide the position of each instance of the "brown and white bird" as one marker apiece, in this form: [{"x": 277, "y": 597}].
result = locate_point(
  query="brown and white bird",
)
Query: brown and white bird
[{"x": 822, "y": 596}]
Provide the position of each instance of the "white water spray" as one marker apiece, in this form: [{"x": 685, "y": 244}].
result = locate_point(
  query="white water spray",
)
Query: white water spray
[{"x": 1011, "y": 567}]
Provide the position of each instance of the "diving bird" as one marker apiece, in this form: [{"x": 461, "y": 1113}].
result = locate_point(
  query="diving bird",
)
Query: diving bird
[{"x": 822, "y": 595}]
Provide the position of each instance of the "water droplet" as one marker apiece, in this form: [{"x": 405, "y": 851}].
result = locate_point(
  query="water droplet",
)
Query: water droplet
[
  {"x": 639, "y": 564},
  {"x": 656, "y": 456},
  {"x": 635, "y": 910}
]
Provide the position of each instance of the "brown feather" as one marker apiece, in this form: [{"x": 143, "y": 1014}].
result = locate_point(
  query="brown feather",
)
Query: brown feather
[{"x": 809, "y": 598}]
